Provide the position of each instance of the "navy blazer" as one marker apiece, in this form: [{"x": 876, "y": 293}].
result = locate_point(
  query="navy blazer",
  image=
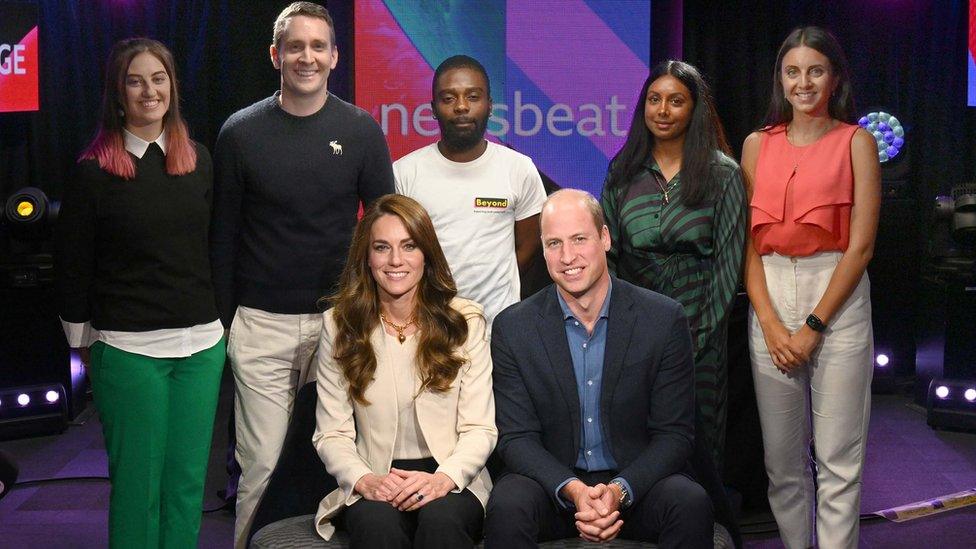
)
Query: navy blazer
[{"x": 647, "y": 406}]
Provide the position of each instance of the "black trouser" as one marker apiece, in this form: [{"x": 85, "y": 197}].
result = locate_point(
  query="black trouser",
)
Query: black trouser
[
  {"x": 453, "y": 521},
  {"x": 676, "y": 512}
]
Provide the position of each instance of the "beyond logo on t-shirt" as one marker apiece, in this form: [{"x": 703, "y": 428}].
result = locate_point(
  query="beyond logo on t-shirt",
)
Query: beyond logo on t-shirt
[{"x": 491, "y": 203}]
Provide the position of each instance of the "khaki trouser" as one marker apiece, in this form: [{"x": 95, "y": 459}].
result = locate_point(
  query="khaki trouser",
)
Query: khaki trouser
[{"x": 270, "y": 354}]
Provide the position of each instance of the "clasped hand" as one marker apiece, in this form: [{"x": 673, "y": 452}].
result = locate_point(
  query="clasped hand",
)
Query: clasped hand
[
  {"x": 597, "y": 510},
  {"x": 401, "y": 488},
  {"x": 790, "y": 351}
]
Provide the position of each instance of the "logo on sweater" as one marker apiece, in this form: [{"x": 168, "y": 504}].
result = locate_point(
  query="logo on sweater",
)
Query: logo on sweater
[
  {"x": 336, "y": 147},
  {"x": 491, "y": 203}
]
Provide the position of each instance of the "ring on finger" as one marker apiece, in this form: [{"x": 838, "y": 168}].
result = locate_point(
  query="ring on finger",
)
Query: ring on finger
[{"x": 420, "y": 497}]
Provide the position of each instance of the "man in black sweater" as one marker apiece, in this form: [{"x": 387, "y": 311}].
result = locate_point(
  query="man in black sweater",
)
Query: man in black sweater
[{"x": 291, "y": 171}]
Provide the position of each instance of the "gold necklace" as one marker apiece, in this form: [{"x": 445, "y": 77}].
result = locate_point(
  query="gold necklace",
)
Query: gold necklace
[
  {"x": 665, "y": 187},
  {"x": 399, "y": 328},
  {"x": 806, "y": 148}
]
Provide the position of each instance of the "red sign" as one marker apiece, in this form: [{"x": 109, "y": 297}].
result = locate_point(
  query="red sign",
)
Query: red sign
[{"x": 18, "y": 57}]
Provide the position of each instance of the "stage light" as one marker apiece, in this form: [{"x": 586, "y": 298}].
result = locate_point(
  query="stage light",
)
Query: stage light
[
  {"x": 887, "y": 131},
  {"x": 883, "y": 380},
  {"x": 951, "y": 404},
  {"x": 29, "y": 214},
  {"x": 38, "y": 409},
  {"x": 25, "y": 208}
]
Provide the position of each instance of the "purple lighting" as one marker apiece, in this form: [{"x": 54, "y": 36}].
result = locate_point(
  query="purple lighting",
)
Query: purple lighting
[
  {"x": 887, "y": 131},
  {"x": 942, "y": 391},
  {"x": 23, "y": 399},
  {"x": 970, "y": 394},
  {"x": 51, "y": 396},
  {"x": 881, "y": 360}
]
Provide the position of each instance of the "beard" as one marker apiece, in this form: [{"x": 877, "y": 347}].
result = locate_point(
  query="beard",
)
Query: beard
[{"x": 457, "y": 139}]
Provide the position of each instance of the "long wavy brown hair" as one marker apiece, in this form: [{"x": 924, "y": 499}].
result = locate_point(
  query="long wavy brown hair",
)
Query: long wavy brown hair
[{"x": 442, "y": 330}]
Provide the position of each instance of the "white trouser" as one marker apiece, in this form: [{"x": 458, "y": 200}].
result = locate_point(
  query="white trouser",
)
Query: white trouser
[
  {"x": 831, "y": 394},
  {"x": 270, "y": 354}
]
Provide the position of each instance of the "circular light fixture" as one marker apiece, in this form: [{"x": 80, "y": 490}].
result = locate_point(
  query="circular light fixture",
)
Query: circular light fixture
[
  {"x": 882, "y": 360},
  {"x": 887, "y": 131},
  {"x": 51, "y": 396},
  {"x": 942, "y": 391},
  {"x": 23, "y": 399},
  {"x": 25, "y": 208},
  {"x": 970, "y": 394}
]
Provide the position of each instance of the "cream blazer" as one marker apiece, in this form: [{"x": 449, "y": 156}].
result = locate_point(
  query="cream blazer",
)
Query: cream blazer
[{"x": 458, "y": 425}]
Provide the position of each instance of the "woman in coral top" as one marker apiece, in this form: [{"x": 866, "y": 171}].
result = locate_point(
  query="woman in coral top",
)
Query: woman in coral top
[{"x": 814, "y": 188}]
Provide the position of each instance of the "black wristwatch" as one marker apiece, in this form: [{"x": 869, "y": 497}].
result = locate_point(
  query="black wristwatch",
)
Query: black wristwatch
[{"x": 815, "y": 324}]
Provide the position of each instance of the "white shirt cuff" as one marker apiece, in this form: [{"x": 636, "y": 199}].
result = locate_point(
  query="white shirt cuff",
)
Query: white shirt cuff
[{"x": 79, "y": 334}]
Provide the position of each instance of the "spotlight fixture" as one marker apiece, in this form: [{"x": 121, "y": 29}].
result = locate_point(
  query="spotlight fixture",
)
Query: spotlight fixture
[
  {"x": 951, "y": 404},
  {"x": 29, "y": 214},
  {"x": 887, "y": 131},
  {"x": 32, "y": 409},
  {"x": 959, "y": 207},
  {"x": 883, "y": 381}
]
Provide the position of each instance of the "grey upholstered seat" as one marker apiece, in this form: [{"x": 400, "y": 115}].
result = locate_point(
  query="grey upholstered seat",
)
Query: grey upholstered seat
[{"x": 297, "y": 533}]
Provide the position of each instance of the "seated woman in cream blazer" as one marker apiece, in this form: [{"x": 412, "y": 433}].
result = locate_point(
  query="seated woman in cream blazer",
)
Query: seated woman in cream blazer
[{"x": 406, "y": 418}]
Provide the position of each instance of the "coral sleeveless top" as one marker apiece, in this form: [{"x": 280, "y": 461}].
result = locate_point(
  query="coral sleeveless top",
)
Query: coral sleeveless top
[{"x": 801, "y": 203}]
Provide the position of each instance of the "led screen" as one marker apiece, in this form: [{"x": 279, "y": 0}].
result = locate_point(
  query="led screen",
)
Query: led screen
[
  {"x": 564, "y": 74},
  {"x": 971, "y": 57},
  {"x": 18, "y": 57}
]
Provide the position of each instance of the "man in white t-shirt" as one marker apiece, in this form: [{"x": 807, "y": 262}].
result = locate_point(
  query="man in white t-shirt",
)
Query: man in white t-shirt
[{"x": 483, "y": 198}]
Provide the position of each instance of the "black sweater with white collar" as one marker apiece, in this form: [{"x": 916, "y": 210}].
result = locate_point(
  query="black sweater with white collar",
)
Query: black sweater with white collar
[{"x": 133, "y": 255}]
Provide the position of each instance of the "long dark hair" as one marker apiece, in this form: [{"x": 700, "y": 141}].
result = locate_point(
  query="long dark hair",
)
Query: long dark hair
[
  {"x": 108, "y": 146},
  {"x": 442, "y": 329},
  {"x": 841, "y": 105},
  {"x": 704, "y": 137}
]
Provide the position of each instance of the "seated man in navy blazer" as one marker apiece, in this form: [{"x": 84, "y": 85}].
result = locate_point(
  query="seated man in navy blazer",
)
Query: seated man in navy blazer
[{"x": 594, "y": 402}]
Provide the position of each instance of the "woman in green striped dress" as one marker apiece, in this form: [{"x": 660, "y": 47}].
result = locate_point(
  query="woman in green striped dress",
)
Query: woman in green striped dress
[{"x": 676, "y": 208}]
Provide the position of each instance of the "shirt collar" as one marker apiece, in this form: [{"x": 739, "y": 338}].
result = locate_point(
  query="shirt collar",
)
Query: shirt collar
[
  {"x": 604, "y": 310},
  {"x": 137, "y": 145}
]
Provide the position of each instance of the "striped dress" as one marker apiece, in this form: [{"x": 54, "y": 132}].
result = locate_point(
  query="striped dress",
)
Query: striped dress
[{"x": 694, "y": 256}]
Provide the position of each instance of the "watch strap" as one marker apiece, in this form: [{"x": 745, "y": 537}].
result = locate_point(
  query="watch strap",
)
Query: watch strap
[{"x": 815, "y": 324}]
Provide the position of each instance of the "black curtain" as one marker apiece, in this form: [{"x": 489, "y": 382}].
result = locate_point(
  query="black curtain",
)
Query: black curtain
[
  {"x": 908, "y": 58},
  {"x": 223, "y": 64}
]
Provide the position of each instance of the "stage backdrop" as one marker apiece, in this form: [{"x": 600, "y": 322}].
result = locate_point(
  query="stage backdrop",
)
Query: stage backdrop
[
  {"x": 972, "y": 53},
  {"x": 564, "y": 74}
]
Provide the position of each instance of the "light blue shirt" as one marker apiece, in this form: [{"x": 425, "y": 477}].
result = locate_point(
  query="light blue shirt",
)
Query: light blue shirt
[{"x": 587, "y": 351}]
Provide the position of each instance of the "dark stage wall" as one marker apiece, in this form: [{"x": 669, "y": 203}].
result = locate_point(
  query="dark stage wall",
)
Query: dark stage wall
[
  {"x": 908, "y": 56},
  {"x": 221, "y": 50}
]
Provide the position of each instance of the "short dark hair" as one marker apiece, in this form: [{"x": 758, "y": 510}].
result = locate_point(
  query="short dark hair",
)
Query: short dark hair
[
  {"x": 308, "y": 9},
  {"x": 841, "y": 105},
  {"x": 459, "y": 62}
]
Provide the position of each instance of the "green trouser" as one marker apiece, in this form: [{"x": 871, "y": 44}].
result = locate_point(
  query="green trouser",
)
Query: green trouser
[{"x": 157, "y": 417}]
